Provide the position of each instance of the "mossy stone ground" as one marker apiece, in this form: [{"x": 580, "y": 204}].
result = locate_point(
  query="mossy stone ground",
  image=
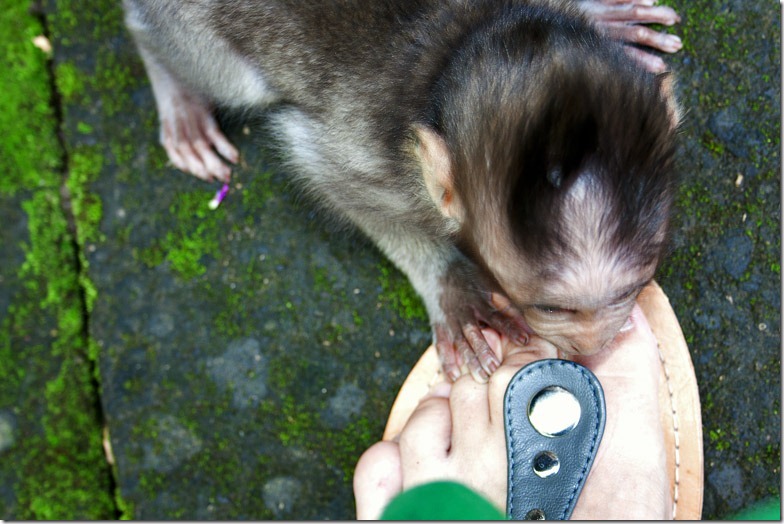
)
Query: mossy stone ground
[{"x": 237, "y": 362}]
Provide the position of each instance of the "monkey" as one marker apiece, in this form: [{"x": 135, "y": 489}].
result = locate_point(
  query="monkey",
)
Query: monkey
[{"x": 513, "y": 158}]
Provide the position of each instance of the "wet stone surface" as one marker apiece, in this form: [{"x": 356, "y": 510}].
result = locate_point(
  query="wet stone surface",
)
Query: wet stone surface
[{"x": 248, "y": 355}]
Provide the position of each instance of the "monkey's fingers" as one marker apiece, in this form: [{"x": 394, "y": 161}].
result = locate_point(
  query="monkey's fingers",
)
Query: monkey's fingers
[
  {"x": 623, "y": 2},
  {"x": 192, "y": 140},
  {"x": 219, "y": 141},
  {"x": 622, "y": 21},
  {"x": 631, "y": 13},
  {"x": 476, "y": 353},
  {"x": 204, "y": 137},
  {"x": 618, "y": 2},
  {"x": 212, "y": 164},
  {"x": 645, "y": 36},
  {"x": 180, "y": 149},
  {"x": 508, "y": 320},
  {"x": 652, "y": 63},
  {"x": 467, "y": 356},
  {"x": 445, "y": 347},
  {"x": 168, "y": 143}
]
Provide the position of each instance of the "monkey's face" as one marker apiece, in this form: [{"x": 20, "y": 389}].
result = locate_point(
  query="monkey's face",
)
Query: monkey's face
[
  {"x": 578, "y": 301},
  {"x": 582, "y": 312},
  {"x": 580, "y": 309},
  {"x": 580, "y": 294}
]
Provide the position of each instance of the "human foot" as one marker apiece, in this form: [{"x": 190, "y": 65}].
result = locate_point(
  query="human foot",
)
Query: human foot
[{"x": 456, "y": 433}]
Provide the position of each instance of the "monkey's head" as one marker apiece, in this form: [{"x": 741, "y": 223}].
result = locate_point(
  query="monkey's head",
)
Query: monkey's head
[{"x": 558, "y": 181}]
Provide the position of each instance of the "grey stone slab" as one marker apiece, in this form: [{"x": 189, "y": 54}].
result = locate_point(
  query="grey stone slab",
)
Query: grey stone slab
[{"x": 247, "y": 355}]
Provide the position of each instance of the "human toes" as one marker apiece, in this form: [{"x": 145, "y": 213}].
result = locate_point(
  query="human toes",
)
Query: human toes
[
  {"x": 515, "y": 358},
  {"x": 377, "y": 479}
]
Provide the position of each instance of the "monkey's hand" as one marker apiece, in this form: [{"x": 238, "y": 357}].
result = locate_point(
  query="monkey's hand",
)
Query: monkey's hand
[
  {"x": 469, "y": 307},
  {"x": 192, "y": 138},
  {"x": 622, "y": 19}
]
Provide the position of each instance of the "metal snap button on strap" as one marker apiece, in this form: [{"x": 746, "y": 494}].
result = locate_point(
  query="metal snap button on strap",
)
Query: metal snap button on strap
[{"x": 554, "y": 416}]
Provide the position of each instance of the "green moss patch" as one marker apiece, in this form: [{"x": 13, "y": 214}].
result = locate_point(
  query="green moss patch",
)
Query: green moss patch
[
  {"x": 46, "y": 376},
  {"x": 397, "y": 292}
]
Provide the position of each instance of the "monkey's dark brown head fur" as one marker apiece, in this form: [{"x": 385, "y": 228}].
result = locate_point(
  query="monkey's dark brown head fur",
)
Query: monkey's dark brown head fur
[
  {"x": 562, "y": 158},
  {"x": 568, "y": 106}
]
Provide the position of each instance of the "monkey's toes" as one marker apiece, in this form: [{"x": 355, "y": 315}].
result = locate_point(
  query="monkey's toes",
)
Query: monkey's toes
[{"x": 194, "y": 142}]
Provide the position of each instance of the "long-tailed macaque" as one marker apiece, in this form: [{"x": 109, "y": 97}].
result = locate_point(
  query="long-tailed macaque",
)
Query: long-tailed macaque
[{"x": 513, "y": 158}]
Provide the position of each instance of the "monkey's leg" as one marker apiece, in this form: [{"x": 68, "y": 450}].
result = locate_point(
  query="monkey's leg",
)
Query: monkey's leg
[
  {"x": 189, "y": 133},
  {"x": 621, "y": 20}
]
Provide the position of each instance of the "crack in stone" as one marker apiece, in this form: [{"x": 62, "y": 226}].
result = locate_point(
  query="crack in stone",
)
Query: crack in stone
[{"x": 56, "y": 103}]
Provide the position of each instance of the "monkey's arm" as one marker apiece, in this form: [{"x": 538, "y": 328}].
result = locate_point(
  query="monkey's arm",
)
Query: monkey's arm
[
  {"x": 459, "y": 300},
  {"x": 189, "y": 132},
  {"x": 191, "y": 67},
  {"x": 457, "y": 293}
]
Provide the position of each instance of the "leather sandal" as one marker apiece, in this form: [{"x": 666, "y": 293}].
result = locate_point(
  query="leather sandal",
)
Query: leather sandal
[{"x": 679, "y": 410}]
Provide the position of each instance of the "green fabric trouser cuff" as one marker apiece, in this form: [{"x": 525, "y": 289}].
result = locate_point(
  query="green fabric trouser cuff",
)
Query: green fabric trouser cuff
[
  {"x": 443, "y": 500},
  {"x": 767, "y": 509}
]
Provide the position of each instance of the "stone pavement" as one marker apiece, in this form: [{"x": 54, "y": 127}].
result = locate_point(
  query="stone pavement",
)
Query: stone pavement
[{"x": 159, "y": 360}]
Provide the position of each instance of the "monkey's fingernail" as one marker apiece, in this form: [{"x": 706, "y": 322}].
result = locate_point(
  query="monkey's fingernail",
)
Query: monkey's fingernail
[
  {"x": 480, "y": 375},
  {"x": 453, "y": 374},
  {"x": 490, "y": 366},
  {"x": 673, "y": 43}
]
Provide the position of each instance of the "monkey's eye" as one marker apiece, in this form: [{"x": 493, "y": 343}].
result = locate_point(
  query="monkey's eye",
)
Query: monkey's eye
[
  {"x": 551, "y": 310},
  {"x": 629, "y": 295}
]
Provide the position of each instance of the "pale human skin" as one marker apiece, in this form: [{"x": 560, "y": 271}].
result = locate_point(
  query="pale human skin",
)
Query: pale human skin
[{"x": 457, "y": 433}]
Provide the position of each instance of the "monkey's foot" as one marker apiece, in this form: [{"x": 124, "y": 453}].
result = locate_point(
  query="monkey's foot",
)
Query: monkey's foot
[
  {"x": 621, "y": 20},
  {"x": 459, "y": 340},
  {"x": 192, "y": 138}
]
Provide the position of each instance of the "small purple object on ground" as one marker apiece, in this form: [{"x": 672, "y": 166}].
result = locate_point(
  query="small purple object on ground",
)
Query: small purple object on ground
[{"x": 219, "y": 196}]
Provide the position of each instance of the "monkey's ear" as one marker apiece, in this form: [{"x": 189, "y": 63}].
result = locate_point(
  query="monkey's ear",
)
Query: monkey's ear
[
  {"x": 666, "y": 82},
  {"x": 433, "y": 154}
]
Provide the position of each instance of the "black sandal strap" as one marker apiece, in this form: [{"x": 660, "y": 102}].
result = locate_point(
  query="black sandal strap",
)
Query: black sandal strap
[{"x": 554, "y": 416}]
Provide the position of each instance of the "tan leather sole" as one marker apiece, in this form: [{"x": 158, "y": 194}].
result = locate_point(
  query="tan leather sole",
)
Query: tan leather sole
[{"x": 679, "y": 399}]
